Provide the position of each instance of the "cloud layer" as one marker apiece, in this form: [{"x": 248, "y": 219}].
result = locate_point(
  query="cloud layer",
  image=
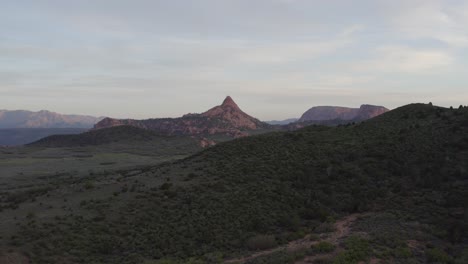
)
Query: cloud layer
[{"x": 277, "y": 58}]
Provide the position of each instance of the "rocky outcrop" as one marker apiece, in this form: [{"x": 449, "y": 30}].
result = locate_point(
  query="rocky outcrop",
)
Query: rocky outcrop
[
  {"x": 370, "y": 111},
  {"x": 227, "y": 119},
  {"x": 324, "y": 113},
  {"x": 229, "y": 111}
]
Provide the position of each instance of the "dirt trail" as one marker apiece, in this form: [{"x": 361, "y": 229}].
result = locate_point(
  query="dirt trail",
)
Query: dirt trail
[{"x": 342, "y": 228}]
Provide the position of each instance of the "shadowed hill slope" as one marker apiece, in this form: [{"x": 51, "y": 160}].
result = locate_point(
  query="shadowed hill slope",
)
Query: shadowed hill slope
[
  {"x": 21, "y": 136},
  {"x": 100, "y": 137},
  {"x": 410, "y": 163}
]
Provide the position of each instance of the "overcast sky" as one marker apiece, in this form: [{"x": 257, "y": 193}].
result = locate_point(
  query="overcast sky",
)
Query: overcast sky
[{"x": 276, "y": 58}]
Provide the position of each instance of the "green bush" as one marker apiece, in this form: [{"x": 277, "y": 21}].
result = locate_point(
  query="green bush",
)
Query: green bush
[
  {"x": 279, "y": 257},
  {"x": 435, "y": 255},
  {"x": 323, "y": 247},
  {"x": 357, "y": 249},
  {"x": 88, "y": 185},
  {"x": 402, "y": 252}
]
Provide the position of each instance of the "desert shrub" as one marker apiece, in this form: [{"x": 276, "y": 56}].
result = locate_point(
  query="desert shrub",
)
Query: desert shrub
[
  {"x": 323, "y": 261},
  {"x": 30, "y": 215},
  {"x": 261, "y": 242},
  {"x": 357, "y": 249},
  {"x": 166, "y": 186},
  {"x": 191, "y": 176},
  {"x": 88, "y": 185},
  {"x": 402, "y": 252},
  {"x": 435, "y": 255},
  {"x": 280, "y": 257},
  {"x": 161, "y": 261},
  {"x": 463, "y": 257},
  {"x": 323, "y": 247}
]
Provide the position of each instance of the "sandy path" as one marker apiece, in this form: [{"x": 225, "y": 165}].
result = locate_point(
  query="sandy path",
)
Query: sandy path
[{"x": 342, "y": 228}]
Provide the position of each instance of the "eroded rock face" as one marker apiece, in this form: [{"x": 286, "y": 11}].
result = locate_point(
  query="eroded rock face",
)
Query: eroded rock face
[
  {"x": 226, "y": 118},
  {"x": 370, "y": 111},
  {"x": 321, "y": 113},
  {"x": 230, "y": 112}
]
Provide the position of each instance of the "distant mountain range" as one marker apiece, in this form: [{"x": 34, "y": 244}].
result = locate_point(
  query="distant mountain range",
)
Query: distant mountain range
[
  {"x": 44, "y": 119},
  {"x": 282, "y": 122},
  {"x": 227, "y": 119},
  {"x": 219, "y": 123}
]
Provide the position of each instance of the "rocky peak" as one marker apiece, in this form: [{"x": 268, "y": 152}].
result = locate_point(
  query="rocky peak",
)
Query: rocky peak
[
  {"x": 226, "y": 118},
  {"x": 228, "y": 102}
]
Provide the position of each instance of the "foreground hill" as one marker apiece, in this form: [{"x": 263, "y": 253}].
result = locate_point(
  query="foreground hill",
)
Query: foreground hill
[
  {"x": 328, "y": 113},
  {"x": 44, "y": 119},
  {"x": 227, "y": 119},
  {"x": 402, "y": 176}
]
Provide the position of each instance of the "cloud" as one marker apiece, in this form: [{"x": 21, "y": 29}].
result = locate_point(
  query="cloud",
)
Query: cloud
[
  {"x": 148, "y": 52},
  {"x": 439, "y": 20},
  {"x": 403, "y": 59}
]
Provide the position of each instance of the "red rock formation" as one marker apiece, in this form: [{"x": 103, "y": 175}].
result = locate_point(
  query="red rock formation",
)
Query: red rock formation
[
  {"x": 230, "y": 112},
  {"x": 370, "y": 111},
  {"x": 323, "y": 113},
  {"x": 226, "y": 118}
]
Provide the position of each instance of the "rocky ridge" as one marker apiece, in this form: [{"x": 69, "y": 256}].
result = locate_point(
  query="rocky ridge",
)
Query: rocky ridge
[
  {"x": 323, "y": 113},
  {"x": 227, "y": 119}
]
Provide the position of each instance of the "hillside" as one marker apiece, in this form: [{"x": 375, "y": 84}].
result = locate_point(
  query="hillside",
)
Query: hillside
[
  {"x": 227, "y": 119},
  {"x": 404, "y": 173},
  {"x": 21, "y": 136},
  {"x": 122, "y": 134},
  {"x": 44, "y": 119}
]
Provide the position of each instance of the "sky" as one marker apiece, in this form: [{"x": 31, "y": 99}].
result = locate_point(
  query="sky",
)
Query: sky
[{"x": 275, "y": 58}]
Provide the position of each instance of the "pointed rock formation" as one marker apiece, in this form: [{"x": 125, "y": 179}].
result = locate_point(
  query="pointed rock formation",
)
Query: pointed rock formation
[
  {"x": 231, "y": 113},
  {"x": 228, "y": 102},
  {"x": 226, "y": 118}
]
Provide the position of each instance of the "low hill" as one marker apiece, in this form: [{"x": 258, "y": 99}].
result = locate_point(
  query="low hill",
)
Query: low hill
[
  {"x": 227, "y": 119},
  {"x": 44, "y": 119},
  {"x": 22, "y": 136},
  {"x": 403, "y": 177},
  {"x": 120, "y": 134},
  {"x": 282, "y": 122}
]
